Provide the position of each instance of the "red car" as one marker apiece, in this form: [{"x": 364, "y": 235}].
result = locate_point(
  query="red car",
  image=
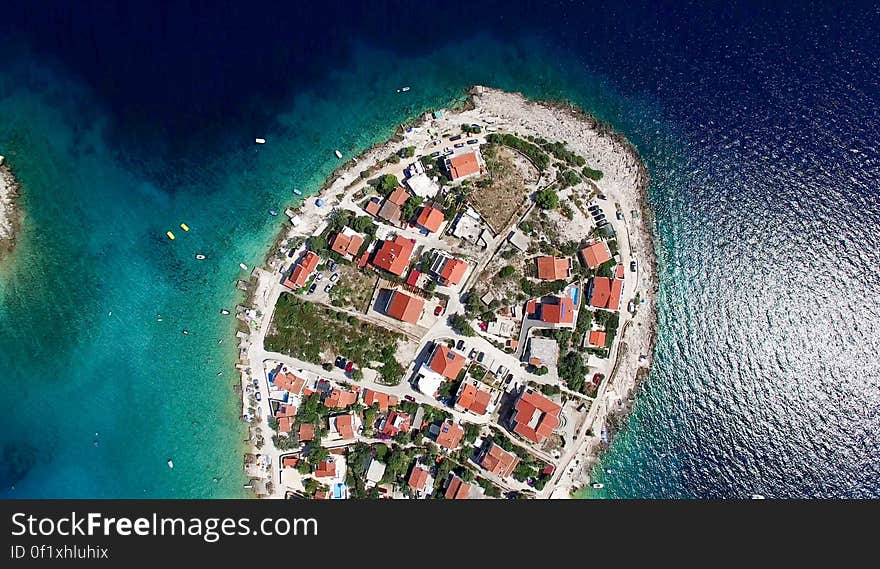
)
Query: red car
[
  {"x": 438, "y": 310},
  {"x": 349, "y": 367},
  {"x": 596, "y": 379}
]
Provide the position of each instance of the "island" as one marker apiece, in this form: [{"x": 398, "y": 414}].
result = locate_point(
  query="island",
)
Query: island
[
  {"x": 464, "y": 311},
  {"x": 10, "y": 217}
]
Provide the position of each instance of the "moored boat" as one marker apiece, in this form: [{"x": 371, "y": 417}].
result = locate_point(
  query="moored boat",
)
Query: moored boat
[
  {"x": 260, "y": 140},
  {"x": 184, "y": 226},
  {"x": 170, "y": 463},
  {"x": 337, "y": 153},
  {"x": 170, "y": 235},
  {"x": 200, "y": 257},
  {"x": 243, "y": 266},
  {"x": 297, "y": 192}
]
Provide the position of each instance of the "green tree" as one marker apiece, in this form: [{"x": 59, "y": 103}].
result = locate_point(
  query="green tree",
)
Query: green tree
[
  {"x": 547, "y": 198},
  {"x": 507, "y": 271}
]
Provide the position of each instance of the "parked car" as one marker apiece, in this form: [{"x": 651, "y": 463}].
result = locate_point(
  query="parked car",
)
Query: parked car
[
  {"x": 258, "y": 395},
  {"x": 312, "y": 288},
  {"x": 438, "y": 310},
  {"x": 473, "y": 353},
  {"x": 632, "y": 266},
  {"x": 459, "y": 145},
  {"x": 331, "y": 265},
  {"x": 480, "y": 356},
  {"x": 619, "y": 215},
  {"x": 435, "y": 154},
  {"x": 501, "y": 371},
  {"x": 341, "y": 362},
  {"x": 328, "y": 287},
  {"x": 349, "y": 367},
  {"x": 409, "y": 398},
  {"x": 456, "y": 137},
  {"x": 334, "y": 278},
  {"x": 473, "y": 141},
  {"x": 291, "y": 253},
  {"x": 319, "y": 276},
  {"x": 509, "y": 378},
  {"x": 459, "y": 345},
  {"x": 596, "y": 379}
]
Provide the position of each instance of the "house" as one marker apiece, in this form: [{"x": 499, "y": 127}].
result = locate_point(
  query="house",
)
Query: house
[
  {"x": 534, "y": 416},
  {"x": 596, "y": 254},
  {"x": 421, "y": 185},
  {"x": 447, "y": 434},
  {"x": 543, "y": 352},
  {"x": 393, "y": 256},
  {"x": 420, "y": 480},
  {"x": 373, "y": 206},
  {"x": 301, "y": 271},
  {"x": 444, "y": 364},
  {"x": 392, "y": 208},
  {"x": 619, "y": 272},
  {"x": 458, "y": 489},
  {"x": 503, "y": 327},
  {"x": 553, "y": 268},
  {"x": 344, "y": 426},
  {"x": 289, "y": 382},
  {"x": 519, "y": 240},
  {"x": 556, "y": 310},
  {"x": 597, "y": 338},
  {"x": 383, "y": 400},
  {"x": 347, "y": 243},
  {"x": 306, "y": 432},
  {"x": 404, "y": 307},
  {"x": 449, "y": 270},
  {"x": 375, "y": 472},
  {"x": 497, "y": 460},
  {"x": 463, "y": 165},
  {"x": 395, "y": 423},
  {"x": 326, "y": 468},
  {"x": 340, "y": 398},
  {"x": 289, "y": 461},
  {"x": 285, "y": 424},
  {"x": 605, "y": 293},
  {"x": 430, "y": 218},
  {"x": 471, "y": 398}
]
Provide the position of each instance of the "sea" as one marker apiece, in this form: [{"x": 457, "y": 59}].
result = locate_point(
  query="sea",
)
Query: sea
[{"x": 759, "y": 123}]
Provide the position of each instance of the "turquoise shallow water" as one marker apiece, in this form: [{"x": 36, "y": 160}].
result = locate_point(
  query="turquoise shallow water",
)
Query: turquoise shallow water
[{"x": 759, "y": 126}]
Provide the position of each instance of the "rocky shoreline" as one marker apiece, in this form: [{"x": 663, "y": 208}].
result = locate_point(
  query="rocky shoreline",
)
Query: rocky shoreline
[
  {"x": 625, "y": 183},
  {"x": 10, "y": 214}
]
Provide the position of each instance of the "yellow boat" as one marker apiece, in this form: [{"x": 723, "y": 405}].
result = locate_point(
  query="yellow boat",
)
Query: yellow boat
[
  {"x": 170, "y": 235},
  {"x": 184, "y": 226}
]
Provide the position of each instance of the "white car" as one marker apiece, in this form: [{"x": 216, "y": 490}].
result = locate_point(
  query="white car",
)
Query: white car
[
  {"x": 334, "y": 278},
  {"x": 319, "y": 277}
]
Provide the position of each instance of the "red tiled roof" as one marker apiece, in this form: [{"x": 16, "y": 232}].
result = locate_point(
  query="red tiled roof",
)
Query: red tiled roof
[
  {"x": 561, "y": 312},
  {"x": 452, "y": 271},
  {"x": 430, "y": 218},
  {"x": 463, "y": 165},
  {"x": 553, "y": 268},
  {"x": 286, "y": 410},
  {"x": 446, "y": 362},
  {"x": 390, "y": 212},
  {"x": 596, "y": 254},
  {"x": 450, "y": 435},
  {"x": 383, "y": 399},
  {"x": 373, "y": 206},
  {"x": 413, "y": 277},
  {"x": 473, "y": 399},
  {"x": 417, "y": 478},
  {"x": 344, "y": 426},
  {"x": 499, "y": 462},
  {"x": 532, "y": 307},
  {"x": 347, "y": 244},
  {"x": 597, "y": 338},
  {"x": 393, "y": 256},
  {"x": 289, "y": 461},
  {"x": 326, "y": 467},
  {"x": 395, "y": 423},
  {"x": 535, "y": 416},
  {"x": 404, "y": 307},
  {"x": 289, "y": 382},
  {"x": 306, "y": 432},
  {"x": 340, "y": 398},
  {"x": 619, "y": 272},
  {"x": 301, "y": 271},
  {"x": 458, "y": 489},
  {"x": 606, "y": 293},
  {"x": 399, "y": 196},
  {"x": 285, "y": 424}
]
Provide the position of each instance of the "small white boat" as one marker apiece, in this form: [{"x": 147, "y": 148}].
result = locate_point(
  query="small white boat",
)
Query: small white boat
[
  {"x": 260, "y": 140},
  {"x": 297, "y": 192},
  {"x": 337, "y": 153},
  {"x": 170, "y": 463},
  {"x": 200, "y": 257},
  {"x": 757, "y": 497},
  {"x": 224, "y": 312},
  {"x": 185, "y": 332},
  {"x": 243, "y": 266},
  {"x": 598, "y": 485},
  {"x": 273, "y": 213},
  {"x": 403, "y": 90}
]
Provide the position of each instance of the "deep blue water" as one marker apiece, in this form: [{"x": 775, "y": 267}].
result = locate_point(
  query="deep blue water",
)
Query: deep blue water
[{"x": 759, "y": 126}]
